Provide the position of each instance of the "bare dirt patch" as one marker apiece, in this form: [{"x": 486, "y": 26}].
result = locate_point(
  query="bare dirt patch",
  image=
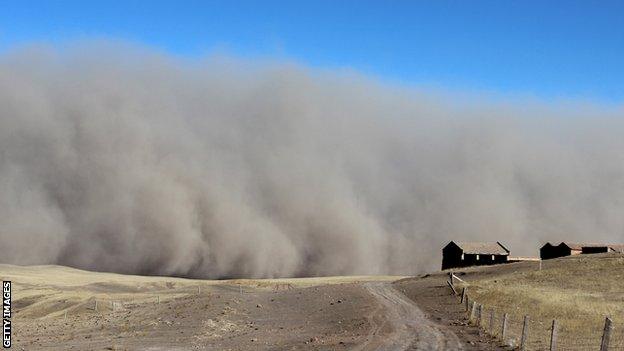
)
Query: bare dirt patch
[
  {"x": 55, "y": 309},
  {"x": 58, "y": 308},
  {"x": 434, "y": 298}
]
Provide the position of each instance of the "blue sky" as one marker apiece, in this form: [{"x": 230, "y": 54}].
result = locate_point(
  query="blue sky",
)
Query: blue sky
[{"x": 548, "y": 49}]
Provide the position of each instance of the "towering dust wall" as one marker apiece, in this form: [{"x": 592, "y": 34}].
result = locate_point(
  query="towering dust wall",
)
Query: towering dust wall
[{"x": 139, "y": 163}]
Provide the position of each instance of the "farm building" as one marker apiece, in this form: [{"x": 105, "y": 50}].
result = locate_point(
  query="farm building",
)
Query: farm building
[
  {"x": 462, "y": 254},
  {"x": 549, "y": 250}
]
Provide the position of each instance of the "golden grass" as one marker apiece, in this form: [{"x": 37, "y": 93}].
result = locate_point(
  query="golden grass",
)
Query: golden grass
[
  {"x": 67, "y": 277},
  {"x": 578, "y": 291},
  {"x": 50, "y": 291},
  {"x": 314, "y": 281}
]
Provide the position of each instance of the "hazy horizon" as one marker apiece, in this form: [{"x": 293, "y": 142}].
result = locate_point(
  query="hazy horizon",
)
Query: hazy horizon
[{"x": 122, "y": 159}]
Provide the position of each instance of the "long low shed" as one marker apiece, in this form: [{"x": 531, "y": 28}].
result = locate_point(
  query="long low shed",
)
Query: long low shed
[
  {"x": 549, "y": 250},
  {"x": 464, "y": 254}
]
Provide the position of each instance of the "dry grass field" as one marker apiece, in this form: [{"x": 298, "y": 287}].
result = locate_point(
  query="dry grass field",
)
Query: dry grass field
[
  {"x": 61, "y": 308},
  {"x": 37, "y": 290},
  {"x": 577, "y": 291},
  {"x": 55, "y": 308}
]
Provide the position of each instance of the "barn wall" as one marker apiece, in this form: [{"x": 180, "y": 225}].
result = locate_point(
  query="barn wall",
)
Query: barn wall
[
  {"x": 549, "y": 251},
  {"x": 451, "y": 256},
  {"x": 452, "y": 259}
]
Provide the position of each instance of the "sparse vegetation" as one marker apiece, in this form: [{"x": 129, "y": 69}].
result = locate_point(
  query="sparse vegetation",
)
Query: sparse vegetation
[
  {"x": 578, "y": 291},
  {"x": 55, "y": 309}
]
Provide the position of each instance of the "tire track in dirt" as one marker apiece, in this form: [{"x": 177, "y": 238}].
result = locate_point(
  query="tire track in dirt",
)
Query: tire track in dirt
[{"x": 409, "y": 329}]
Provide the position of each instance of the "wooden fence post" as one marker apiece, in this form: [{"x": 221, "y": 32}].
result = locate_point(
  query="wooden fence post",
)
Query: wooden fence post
[
  {"x": 473, "y": 311},
  {"x": 463, "y": 295},
  {"x": 504, "y": 328},
  {"x": 606, "y": 335},
  {"x": 525, "y": 333},
  {"x": 492, "y": 321},
  {"x": 480, "y": 315},
  {"x": 452, "y": 287},
  {"x": 553, "y": 336},
  {"x": 457, "y": 278},
  {"x": 96, "y": 305}
]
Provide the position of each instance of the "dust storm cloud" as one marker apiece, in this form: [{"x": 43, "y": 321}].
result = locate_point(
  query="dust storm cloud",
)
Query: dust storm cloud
[{"x": 136, "y": 162}]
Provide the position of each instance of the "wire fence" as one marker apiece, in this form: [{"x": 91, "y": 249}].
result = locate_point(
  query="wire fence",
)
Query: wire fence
[
  {"x": 525, "y": 333},
  {"x": 102, "y": 303}
]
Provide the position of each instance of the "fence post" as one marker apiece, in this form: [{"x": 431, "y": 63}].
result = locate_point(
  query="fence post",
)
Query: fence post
[
  {"x": 463, "y": 295},
  {"x": 452, "y": 287},
  {"x": 553, "y": 336},
  {"x": 480, "y": 315},
  {"x": 473, "y": 311},
  {"x": 525, "y": 333},
  {"x": 504, "y": 327},
  {"x": 606, "y": 335},
  {"x": 96, "y": 305},
  {"x": 492, "y": 321}
]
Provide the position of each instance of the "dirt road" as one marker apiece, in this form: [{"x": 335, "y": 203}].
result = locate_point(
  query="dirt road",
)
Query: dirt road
[
  {"x": 400, "y": 325},
  {"x": 160, "y": 313},
  {"x": 437, "y": 304}
]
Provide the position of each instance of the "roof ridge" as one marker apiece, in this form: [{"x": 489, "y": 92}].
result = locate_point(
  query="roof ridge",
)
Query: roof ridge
[{"x": 482, "y": 247}]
